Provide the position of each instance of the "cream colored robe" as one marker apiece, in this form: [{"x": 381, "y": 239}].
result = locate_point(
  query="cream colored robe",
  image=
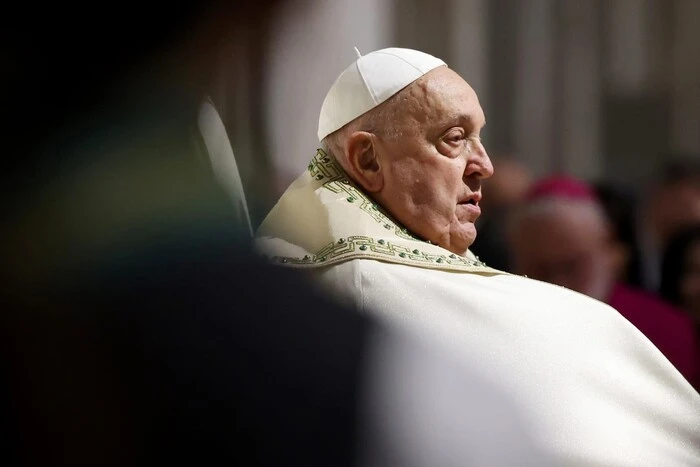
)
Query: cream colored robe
[{"x": 594, "y": 390}]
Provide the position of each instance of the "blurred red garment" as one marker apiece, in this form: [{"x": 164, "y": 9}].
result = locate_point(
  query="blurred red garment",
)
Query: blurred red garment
[{"x": 669, "y": 329}]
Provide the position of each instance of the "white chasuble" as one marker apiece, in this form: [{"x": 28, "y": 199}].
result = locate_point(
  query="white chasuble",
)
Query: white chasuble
[{"x": 593, "y": 389}]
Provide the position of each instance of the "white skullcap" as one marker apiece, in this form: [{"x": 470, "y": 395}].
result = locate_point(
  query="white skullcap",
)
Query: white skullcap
[{"x": 368, "y": 82}]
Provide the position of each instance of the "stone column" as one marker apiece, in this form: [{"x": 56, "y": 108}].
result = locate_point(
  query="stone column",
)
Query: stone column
[
  {"x": 533, "y": 84},
  {"x": 685, "y": 76},
  {"x": 578, "y": 149},
  {"x": 468, "y": 52}
]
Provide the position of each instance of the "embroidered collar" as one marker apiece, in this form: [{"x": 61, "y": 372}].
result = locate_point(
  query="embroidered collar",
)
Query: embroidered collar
[{"x": 352, "y": 226}]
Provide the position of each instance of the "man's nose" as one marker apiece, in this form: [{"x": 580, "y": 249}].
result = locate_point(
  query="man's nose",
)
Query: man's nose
[{"x": 479, "y": 163}]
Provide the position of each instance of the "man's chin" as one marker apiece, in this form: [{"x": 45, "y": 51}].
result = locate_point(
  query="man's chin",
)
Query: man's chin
[
  {"x": 468, "y": 236},
  {"x": 460, "y": 243}
]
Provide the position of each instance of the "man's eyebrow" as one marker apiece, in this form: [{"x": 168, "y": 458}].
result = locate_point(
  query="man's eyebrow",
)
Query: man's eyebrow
[
  {"x": 466, "y": 120},
  {"x": 469, "y": 119}
]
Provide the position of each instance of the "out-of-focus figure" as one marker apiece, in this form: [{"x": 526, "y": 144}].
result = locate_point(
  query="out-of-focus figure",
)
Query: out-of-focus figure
[
  {"x": 137, "y": 327},
  {"x": 666, "y": 208},
  {"x": 561, "y": 235},
  {"x": 504, "y": 190},
  {"x": 620, "y": 206},
  {"x": 680, "y": 279}
]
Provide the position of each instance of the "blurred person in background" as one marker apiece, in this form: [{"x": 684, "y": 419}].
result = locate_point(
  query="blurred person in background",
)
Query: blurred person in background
[
  {"x": 561, "y": 235},
  {"x": 680, "y": 278},
  {"x": 501, "y": 193},
  {"x": 620, "y": 207},
  {"x": 383, "y": 218},
  {"x": 137, "y": 327},
  {"x": 666, "y": 208}
]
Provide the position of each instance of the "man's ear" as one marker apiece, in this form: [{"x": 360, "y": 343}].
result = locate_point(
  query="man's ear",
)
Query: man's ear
[{"x": 363, "y": 160}]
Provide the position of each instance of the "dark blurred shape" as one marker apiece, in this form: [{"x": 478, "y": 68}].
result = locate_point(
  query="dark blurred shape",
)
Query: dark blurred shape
[
  {"x": 502, "y": 192},
  {"x": 68, "y": 64},
  {"x": 681, "y": 168},
  {"x": 667, "y": 207},
  {"x": 680, "y": 277},
  {"x": 195, "y": 353},
  {"x": 620, "y": 208},
  {"x": 138, "y": 327}
]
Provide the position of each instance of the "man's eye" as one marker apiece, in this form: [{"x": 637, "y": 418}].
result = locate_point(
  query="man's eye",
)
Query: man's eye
[{"x": 454, "y": 137}]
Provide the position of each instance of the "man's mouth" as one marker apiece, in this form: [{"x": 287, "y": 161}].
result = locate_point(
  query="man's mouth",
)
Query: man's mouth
[
  {"x": 472, "y": 200},
  {"x": 470, "y": 207}
]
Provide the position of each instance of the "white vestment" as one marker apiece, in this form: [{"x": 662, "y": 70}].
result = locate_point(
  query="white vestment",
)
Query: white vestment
[{"x": 591, "y": 387}]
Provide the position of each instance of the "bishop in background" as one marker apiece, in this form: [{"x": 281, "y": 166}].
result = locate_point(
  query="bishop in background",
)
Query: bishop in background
[{"x": 384, "y": 217}]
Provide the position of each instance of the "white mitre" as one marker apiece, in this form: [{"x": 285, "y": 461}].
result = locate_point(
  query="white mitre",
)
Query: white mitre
[{"x": 369, "y": 81}]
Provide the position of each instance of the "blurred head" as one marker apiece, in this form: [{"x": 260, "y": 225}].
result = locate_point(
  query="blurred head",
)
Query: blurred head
[
  {"x": 676, "y": 203},
  {"x": 508, "y": 185},
  {"x": 619, "y": 207},
  {"x": 560, "y": 235},
  {"x": 420, "y": 157},
  {"x": 680, "y": 280}
]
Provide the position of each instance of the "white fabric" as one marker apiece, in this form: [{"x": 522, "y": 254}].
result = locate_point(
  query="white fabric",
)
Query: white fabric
[
  {"x": 421, "y": 407},
  {"x": 369, "y": 81},
  {"x": 593, "y": 389}
]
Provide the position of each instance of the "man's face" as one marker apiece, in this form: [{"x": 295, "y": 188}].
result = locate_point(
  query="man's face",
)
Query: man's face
[
  {"x": 566, "y": 247},
  {"x": 432, "y": 170}
]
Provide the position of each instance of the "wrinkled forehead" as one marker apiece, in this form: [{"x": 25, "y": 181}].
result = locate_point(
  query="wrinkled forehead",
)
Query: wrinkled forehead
[{"x": 441, "y": 95}]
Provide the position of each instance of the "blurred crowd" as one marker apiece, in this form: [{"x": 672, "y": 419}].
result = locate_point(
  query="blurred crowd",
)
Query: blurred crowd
[{"x": 638, "y": 251}]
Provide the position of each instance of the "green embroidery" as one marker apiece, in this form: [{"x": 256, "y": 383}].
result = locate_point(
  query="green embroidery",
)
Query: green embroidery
[
  {"x": 330, "y": 176},
  {"x": 326, "y": 170},
  {"x": 363, "y": 246},
  {"x": 323, "y": 167}
]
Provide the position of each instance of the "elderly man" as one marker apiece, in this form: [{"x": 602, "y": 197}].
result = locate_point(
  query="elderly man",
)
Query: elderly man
[{"x": 384, "y": 216}]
